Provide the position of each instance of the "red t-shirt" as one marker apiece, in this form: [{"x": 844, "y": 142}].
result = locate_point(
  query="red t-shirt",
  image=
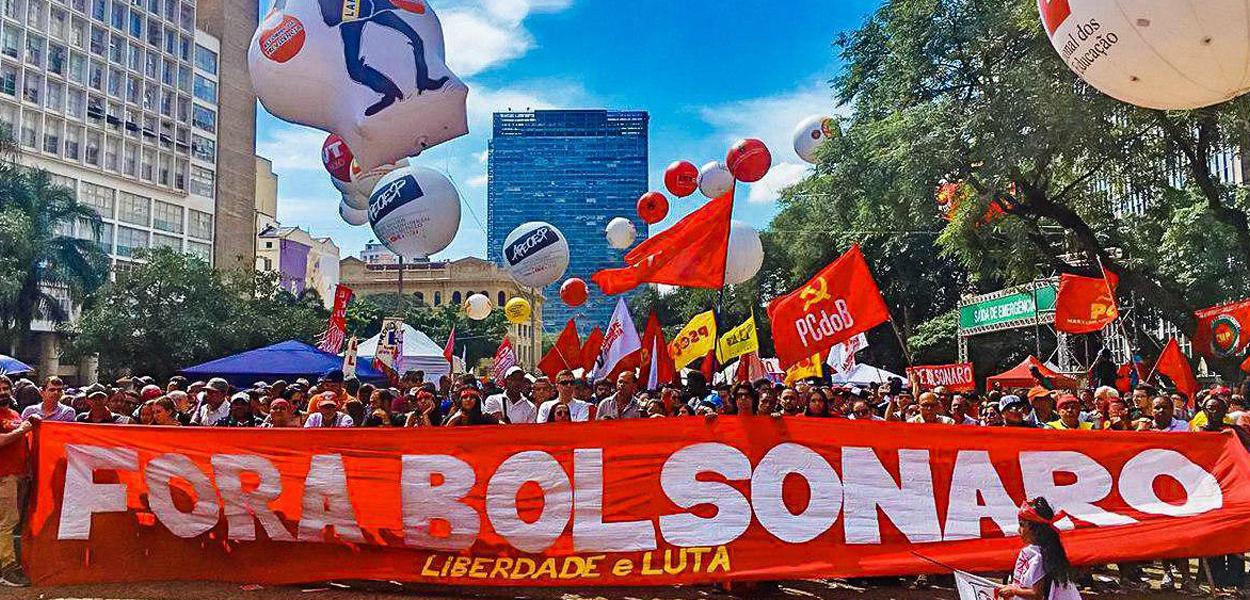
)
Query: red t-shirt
[{"x": 12, "y": 455}]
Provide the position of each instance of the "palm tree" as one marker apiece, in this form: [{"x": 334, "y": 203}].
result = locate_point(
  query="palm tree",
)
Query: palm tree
[{"x": 37, "y": 253}]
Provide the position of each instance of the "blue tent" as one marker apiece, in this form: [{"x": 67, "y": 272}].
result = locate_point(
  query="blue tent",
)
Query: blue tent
[
  {"x": 11, "y": 366},
  {"x": 286, "y": 360}
]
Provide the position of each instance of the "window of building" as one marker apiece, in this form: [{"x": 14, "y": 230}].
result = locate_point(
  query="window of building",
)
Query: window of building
[
  {"x": 156, "y": 33},
  {"x": 36, "y": 14},
  {"x": 32, "y": 87},
  {"x": 75, "y": 103},
  {"x": 200, "y": 224},
  {"x": 186, "y": 18},
  {"x": 57, "y": 58},
  {"x": 130, "y": 160},
  {"x": 169, "y": 74},
  {"x": 98, "y": 9},
  {"x": 8, "y": 79},
  {"x": 77, "y": 71},
  {"x": 134, "y": 57},
  {"x": 30, "y": 130},
  {"x": 58, "y": 23},
  {"x": 8, "y": 115},
  {"x": 73, "y": 138},
  {"x": 134, "y": 209},
  {"x": 129, "y": 241},
  {"x": 203, "y": 148},
  {"x": 204, "y": 118},
  {"x": 455, "y": 298},
  {"x": 98, "y": 197},
  {"x": 77, "y": 32},
  {"x": 52, "y": 136},
  {"x": 147, "y": 164},
  {"x": 11, "y": 42},
  {"x": 99, "y": 40},
  {"x": 201, "y": 251},
  {"x": 184, "y": 78},
  {"x": 206, "y": 89},
  {"x": 205, "y": 59},
  {"x": 100, "y": 233},
  {"x": 11, "y": 8},
  {"x": 203, "y": 182},
  {"x": 134, "y": 89},
  {"x": 164, "y": 173},
  {"x": 171, "y": 10},
  {"x": 180, "y": 174},
  {"x": 95, "y": 76},
  {"x": 167, "y": 103},
  {"x": 438, "y": 298},
  {"x": 117, "y": 80},
  {"x": 92, "y": 152},
  {"x": 34, "y": 51},
  {"x": 420, "y": 297},
  {"x": 117, "y": 16},
  {"x": 117, "y": 49},
  {"x": 136, "y": 25},
  {"x": 166, "y": 241},
  {"x": 502, "y": 299},
  {"x": 55, "y": 96}
]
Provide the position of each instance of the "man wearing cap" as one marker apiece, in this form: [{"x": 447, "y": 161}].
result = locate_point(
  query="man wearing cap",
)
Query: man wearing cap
[
  {"x": 332, "y": 381},
  {"x": 327, "y": 414},
  {"x": 622, "y": 404},
  {"x": 1014, "y": 410},
  {"x": 13, "y": 468},
  {"x": 1043, "y": 405},
  {"x": 98, "y": 410},
  {"x": 214, "y": 407},
  {"x": 1069, "y": 409},
  {"x": 240, "y": 412},
  {"x": 511, "y": 405}
]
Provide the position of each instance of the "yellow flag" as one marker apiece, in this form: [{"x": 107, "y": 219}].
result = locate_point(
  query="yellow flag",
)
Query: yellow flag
[
  {"x": 696, "y": 339},
  {"x": 804, "y": 369},
  {"x": 738, "y": 341}
]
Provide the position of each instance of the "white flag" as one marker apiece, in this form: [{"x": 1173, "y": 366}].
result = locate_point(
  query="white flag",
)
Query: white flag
[
  {"x": 620, "y": 341},
  {"x": 842, "y": 356},
  {"x": 972, "y": 587}
]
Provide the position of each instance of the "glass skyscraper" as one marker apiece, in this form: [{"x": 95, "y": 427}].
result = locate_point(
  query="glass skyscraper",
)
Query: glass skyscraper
[{"x": 575, "y": 169}]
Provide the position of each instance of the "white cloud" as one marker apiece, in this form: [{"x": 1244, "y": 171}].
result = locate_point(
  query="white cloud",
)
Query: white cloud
[
  {"x": 292, "y": 148},
  {"x": 779, "y": 177},
  {"x": 477, "y": 182},
  {"x": 485, "y": 34}
]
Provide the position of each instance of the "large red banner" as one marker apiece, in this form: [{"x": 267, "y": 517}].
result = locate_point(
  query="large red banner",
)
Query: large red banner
[
  {"x": 956, "y": 377},
  {"x": 638, "y": 502}
]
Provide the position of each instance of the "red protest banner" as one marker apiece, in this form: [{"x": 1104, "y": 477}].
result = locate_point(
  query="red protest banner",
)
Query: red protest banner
[
  {"x": 336, "y": 331},
  {"x": 631, "y": 502},
  {"x": 840, "y": 302},
  {"x": 956, "y": 377}
]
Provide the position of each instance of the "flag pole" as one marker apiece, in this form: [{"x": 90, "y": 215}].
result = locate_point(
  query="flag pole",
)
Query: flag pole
[{"x": 1102, "y": 270}]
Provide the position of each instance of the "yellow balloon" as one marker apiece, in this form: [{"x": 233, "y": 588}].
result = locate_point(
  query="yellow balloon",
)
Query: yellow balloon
[{"x": 517, "y": 310}]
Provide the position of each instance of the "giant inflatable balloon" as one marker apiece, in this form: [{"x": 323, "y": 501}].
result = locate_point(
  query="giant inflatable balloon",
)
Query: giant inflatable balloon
[
  {"x": 715, "y": 180},
  {"x": 477, "y": 307},
  {"x": 536, "y": 254},
  {"x": 574, "y": 292},
  {"x": 811, "y": 133},
  {"x": 749, "y": 160},
  {"x": 517, "y": 311},
  {"x": 621, "y": 233},
  {"x": 337, "y": 158},
  {"x": 681, "y": 178},
  {"x": 415, "y": 211},
  {"x": 1164, "y": 54},
  {"x": 373, "y": 72},
  {"x": 353, "y": 216},
  {"x": 652, "y": 207},
  {"x": 746, "y": 253}
]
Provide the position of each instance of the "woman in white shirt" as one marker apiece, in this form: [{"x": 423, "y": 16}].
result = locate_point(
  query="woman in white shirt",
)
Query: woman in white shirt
[{"x": 1042, "y": 570}]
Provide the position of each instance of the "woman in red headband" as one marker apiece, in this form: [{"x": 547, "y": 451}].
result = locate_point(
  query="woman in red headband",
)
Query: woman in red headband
[{"x": 1042, "y": 569}]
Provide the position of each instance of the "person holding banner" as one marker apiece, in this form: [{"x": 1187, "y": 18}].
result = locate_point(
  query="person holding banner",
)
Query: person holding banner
[{"x": 1042, "y": 569}]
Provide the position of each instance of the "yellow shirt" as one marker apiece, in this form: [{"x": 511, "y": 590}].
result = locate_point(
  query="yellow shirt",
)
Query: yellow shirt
[
  {"x": 1200, "y": 420},
  {"x": 1082, "y": 426}
]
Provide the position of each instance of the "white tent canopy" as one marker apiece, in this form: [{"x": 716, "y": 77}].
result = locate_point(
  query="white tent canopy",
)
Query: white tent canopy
[
  {"x": 420, "y": 353},
  {"x": 864, "y": 375}
]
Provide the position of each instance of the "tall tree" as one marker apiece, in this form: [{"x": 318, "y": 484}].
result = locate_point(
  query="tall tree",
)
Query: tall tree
[
  {"x": 40, "y": 258},
  {"x": 972, "y": 91}
]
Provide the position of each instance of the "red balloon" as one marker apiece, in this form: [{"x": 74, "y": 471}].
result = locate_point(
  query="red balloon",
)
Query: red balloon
[
  {"x": 749, "y": 160},
  {"x": 337, "y": 158},
  {"x": 681, "y": 178},
  {"x": 573, "y": 291},
  {"x": 653, "y": 207}
]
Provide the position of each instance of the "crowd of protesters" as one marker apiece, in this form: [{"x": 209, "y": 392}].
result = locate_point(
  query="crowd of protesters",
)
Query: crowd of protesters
[{"x": 333, "y": 400}]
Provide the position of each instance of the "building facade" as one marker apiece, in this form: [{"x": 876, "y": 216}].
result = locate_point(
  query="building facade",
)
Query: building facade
[
  {"x": 123, "y": 102},
  {"x": 575, "y": 169},
  {"x": 448, "y": 282},
  {"x": 302, "y": 262}
]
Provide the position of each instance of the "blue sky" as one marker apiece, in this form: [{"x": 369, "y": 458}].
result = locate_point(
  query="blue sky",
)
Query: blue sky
[{"x": 708, "y": 72}]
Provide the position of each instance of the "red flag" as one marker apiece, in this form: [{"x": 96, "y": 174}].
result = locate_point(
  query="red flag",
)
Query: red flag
[
  {"x": 449, "y": 349},
  {"x": 691, "y": 253},
  {"x": 1245, "y": 365},
  {"x": 590, "y": 349},
  {"x": 1173, "y": 363},
  {"x": 565, "y": 354},
  {"x": 1085, "y": 304},
  {"x": 336, "y": 331},
  {"x": 750, "y": 368},
  {"x": 505, "y": 358},
  {"x": 708, "y": 367},
  {"x": 1223, "y": 330},
  {"x": 840, "y": 302},
  {"x": 657, "y": 364}
]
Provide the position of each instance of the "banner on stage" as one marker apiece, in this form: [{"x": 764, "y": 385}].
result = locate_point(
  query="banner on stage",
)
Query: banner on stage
[
  {"x": 956, "y": 377},
  {"x": 627, "y": 502}
]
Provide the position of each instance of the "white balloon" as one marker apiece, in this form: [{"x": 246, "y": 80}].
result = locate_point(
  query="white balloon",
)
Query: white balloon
[
  {"x": 536, "y": 254},
  {"x": 621, "y": 233},
  {"x": 746, "y": 253},
  {"x": 477, "y": 307},
  {"x": 415, "y": 211},
  {"x": 1164, "y": 54},
  {"x": 715, "y": 179},
  {"x": 352, "y": 215},
  {"x": 372, "y": 96},
  {"x": 811, "y": 133}
]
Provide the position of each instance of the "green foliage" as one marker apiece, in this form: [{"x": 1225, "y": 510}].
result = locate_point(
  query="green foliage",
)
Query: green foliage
[
  {"x": 479, "y": 338},
  {"x": 174, "y": 311}
]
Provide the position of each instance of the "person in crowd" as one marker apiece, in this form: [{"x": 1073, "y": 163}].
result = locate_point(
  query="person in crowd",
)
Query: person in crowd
[
  {"x": 962, "y": 410},
  {"x": 282, "y": 414},
  {"x": 165, "y": 412},
  {"x": 425, "y": 410},
  {"x": 98, "y": 411},
  {"x": 51, "y": 408},
  {"x": 182, "y": 405},
  {"x": 468, "y": 410},
  {"x": 379, "y": 409},
  {"x": 746, "y": 399},
  {"x": 1069, "y": 415},
  {"x": 862, "y": 411},
  {"x": 931, "y": 411},
  {"x": 124, "y": 402},
  {"x": 1014, "y": 410},
  {"x": 654, "y": 408},
  {"x": 603, "y": 388},
  {"x": 512, "y": 405},
  {"x": 144, "y": 416},
  {"x": 623, "y": 404},
  {"x": 177, "y": 383},
  {"x": 53, "y": 389},
  {"x": 214, "y": 407},
  {"x": 1043, "y": 407},
  {"x": 13, "y": 469},
  {"x": 1164, "y": 412},
  {"x": 240, "y": 414},
  {"x": 332, "y": 381},
  {"x": 1118, "y": 418},
  {"x": 791, "y": 403},
  {"x": 992, "y": 415},
  {"x": 355, "y": 409},
  {"x": 816, "y": 405},
  {"x": 327, "y": 413},
  {"x": 1042, "y": 569},
  {"x": 579, "y": 409},
  {"x": 412, "y": 379},
  {"x": 559, "y": 414}
]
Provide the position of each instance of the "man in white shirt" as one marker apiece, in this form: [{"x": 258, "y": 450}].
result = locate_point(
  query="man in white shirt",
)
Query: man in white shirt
[
  {"x": 214, "y": 407},
  {"x": 622, "y": 404},
  {"x": 511, "y": 406},
  {"x": 328, "y": 414},
  {"x": 578, "y": 409}
]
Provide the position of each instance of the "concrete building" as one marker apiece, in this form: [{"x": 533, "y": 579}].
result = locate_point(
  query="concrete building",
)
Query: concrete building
[
  {"x": 140, "y": 107},
  {"x": 266, "y": 196},
  {"x": 443, "y": 283},
  {"x": 303, "y": 262}
]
